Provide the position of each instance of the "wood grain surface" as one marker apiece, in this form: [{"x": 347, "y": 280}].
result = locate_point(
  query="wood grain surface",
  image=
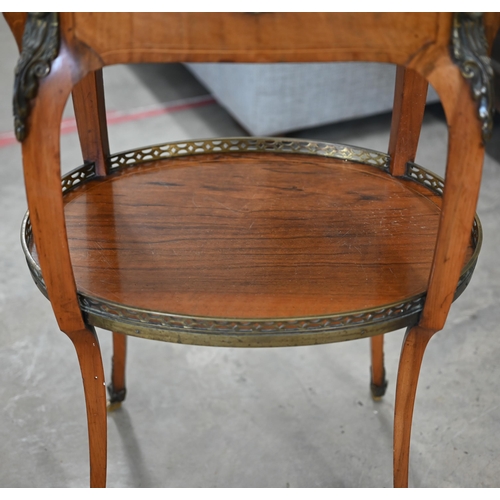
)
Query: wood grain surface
[
  {"x": 252, "y": 236},
  {"x": 246, "y": 37}
]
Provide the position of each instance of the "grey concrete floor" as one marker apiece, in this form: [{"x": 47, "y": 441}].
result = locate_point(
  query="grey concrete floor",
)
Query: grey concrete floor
[{"x": 219, "y": 417}]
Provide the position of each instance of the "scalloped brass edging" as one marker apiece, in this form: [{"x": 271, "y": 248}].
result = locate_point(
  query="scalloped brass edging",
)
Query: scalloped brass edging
[
  {"x": 245, "y": 332},
  {"x": 470, "y": 53},
  {"x": 40, "y": 46},
  {"x": 425, "y": 177},
  {"x": 248, "y": 145}
]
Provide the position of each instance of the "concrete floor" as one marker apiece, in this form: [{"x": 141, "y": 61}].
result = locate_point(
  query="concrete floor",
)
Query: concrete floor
[{"x": 208, "y": 417}]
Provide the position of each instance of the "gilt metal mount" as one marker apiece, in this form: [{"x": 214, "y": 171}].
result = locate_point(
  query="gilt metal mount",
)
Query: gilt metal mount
[
  {"x": 470, "y": 53},
  {"x": 40, "y": 46}
]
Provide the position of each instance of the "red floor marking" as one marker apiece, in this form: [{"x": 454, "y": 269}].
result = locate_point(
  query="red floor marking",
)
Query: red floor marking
[{"x": 68, "y": 125}]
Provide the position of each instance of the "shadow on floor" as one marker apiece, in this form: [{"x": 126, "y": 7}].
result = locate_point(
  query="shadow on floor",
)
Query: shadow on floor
[{"x": 138, "y": 474}]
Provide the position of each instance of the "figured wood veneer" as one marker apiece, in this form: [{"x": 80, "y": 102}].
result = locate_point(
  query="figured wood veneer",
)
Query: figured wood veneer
[
  {"x": 236, "y": 36},
  {"x": 253, "y": 236}
]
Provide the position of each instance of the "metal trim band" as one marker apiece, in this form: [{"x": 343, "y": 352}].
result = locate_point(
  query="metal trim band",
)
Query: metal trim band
[
  {"x": 245, "y": 332},
  {"x": 248, "y": 145}
]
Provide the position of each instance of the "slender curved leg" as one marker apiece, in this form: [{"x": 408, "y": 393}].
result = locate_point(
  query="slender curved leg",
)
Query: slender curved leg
[
  {"x": 378, "y": 383},
  {"x": 41, "y": 162},
  {"x": 117, "y": 390},
  {"x": 89, "y": 357},
  {"x": 412, "y": 353},
  {"x": 463, "y": 175}
]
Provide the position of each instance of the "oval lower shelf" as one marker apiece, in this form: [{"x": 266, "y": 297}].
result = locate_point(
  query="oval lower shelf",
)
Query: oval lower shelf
[{"x": 252, "y": 242}]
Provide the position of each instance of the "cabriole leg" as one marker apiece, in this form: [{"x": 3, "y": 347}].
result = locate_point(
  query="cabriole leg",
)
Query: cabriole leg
[
  {"x": 89, "y": 357},
  {"x": 412, "y": 353}
]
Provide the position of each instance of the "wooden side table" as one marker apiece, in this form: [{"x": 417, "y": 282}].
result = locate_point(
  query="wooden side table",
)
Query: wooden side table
[{"x": 251, "y": 242}]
